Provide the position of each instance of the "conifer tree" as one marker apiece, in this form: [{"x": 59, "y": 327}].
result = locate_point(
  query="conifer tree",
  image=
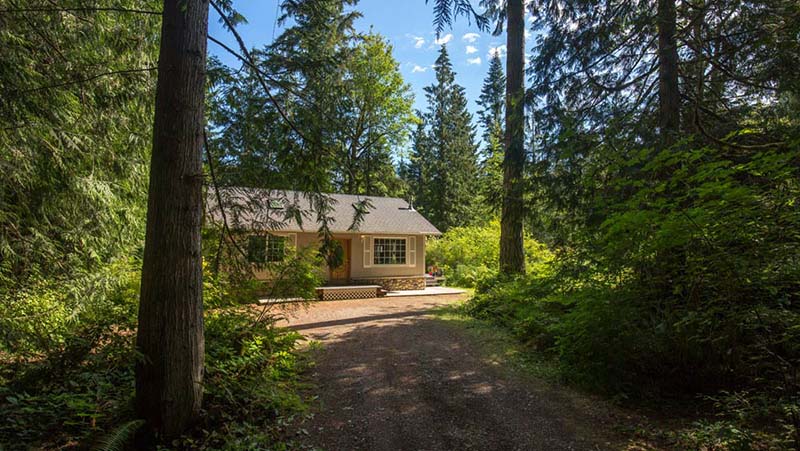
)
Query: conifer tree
[
  {"x": 444, "y": 159},
  {"x": 508, "y": 15},
  {"x": 491, "y": 117}
]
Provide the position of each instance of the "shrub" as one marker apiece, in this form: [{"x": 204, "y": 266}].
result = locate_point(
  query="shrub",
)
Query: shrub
[
  {"x": 472, "y": 253},
  {"x": 69, "y": 375},
  {"x": 39, "y": 317},
  {"x": 528, "y": 306}
]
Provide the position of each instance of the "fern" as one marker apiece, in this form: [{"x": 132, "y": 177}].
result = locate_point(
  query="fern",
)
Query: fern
[{"x": 119, "y": 437}]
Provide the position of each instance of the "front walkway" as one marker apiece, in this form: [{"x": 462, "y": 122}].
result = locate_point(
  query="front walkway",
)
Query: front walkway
[{"x": 428, "y": 291}]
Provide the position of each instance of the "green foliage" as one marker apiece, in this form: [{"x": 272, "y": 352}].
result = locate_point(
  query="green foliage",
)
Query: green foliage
[
  {"x": 42, "y": 316},
  {"x": 492, "y": 119},
  {"x": 76, "y": 93},
  {"x": 72, "y": 394},
  {"x": 689, "y": 286},
  {"x": 82, "y": 392},
  {"x": 251, "y": 384},
  {"x": 335, "y": 143},
  {"x": 471, "y": 254},
  {"x": 525, "y": 306},
  {"x": 297, "y": 275},
  {"x": 120, "y": 437},
  {"x": 443, "y": 165}
]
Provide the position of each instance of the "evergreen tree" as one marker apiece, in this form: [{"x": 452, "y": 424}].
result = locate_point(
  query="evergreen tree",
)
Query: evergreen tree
[
  {"x": 76, "y": 110},
  {"x": 509, "y": 14},
  {"x": 491, "y": 117},
  {"x": 169, "y": 376},
  {"x": 349, "y": 106},
  {"x": 492, "y": 101},
  {"x": 445, "y": 154},
  {"x": 417, "y": 171}
]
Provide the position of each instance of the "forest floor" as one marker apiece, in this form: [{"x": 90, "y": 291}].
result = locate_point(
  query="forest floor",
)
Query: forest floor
[{"x": 408, "y": 374}]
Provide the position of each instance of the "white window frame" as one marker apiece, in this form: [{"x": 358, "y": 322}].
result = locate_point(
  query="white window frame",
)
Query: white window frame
[
  {"x": 371, "y": 251},
  {"x": 291, "y": 239}
]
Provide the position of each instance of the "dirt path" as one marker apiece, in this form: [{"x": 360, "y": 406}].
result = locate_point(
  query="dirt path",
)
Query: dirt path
[{"x": 392, "y": 377}]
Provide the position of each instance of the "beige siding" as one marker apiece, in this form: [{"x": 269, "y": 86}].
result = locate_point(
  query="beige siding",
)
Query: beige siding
[
  {"x": 358, "y": 270},
  {"x": 299, "y": 240}
]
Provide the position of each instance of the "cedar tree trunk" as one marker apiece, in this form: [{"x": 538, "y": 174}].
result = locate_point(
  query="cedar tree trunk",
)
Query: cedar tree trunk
[
  {"x": 512, "y": 258},
  {"x": 170, "y": 334},
  {"x": 668, "y": 91}
]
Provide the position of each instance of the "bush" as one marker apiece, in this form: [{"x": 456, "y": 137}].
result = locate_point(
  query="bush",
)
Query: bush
[
  {"x": 681, "y": 286},
  {"x": 470, "y": 254},
  {"x": 39, "y": 317},
  {"x": 529, "y": 307},
  {"x": 69, "y": 378}
]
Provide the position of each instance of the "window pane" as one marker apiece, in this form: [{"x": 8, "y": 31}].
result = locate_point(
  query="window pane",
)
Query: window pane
[
  {"x": 389, "y": 251},
  {"x": 257, "y": 249},
  {"x": 276, "y": 248}
]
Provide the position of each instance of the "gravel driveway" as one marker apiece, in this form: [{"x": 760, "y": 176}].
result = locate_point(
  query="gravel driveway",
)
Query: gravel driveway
[{"x": 389, "y": 376}]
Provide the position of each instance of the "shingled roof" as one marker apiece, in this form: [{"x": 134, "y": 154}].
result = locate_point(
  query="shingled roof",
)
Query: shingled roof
[{"x": 294, "y": 211}]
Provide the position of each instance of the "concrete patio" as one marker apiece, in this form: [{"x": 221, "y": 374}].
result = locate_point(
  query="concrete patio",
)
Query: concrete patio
[{"x": 428, "y": 291}]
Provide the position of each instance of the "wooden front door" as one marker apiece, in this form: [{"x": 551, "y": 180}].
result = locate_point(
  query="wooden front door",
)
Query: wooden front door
[{"x": 342, "y": 273}]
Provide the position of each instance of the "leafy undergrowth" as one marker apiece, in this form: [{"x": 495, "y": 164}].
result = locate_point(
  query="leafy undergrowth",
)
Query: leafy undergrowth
[
  {"x": 595, "y": 339},
  {"x": 81, "y": 397},
  {"x": 727, "y": 422}
]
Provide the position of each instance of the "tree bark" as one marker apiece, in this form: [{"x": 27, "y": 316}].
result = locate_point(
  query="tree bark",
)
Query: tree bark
[
  {"x": 170, "y": 332},
  {"x": 668, "y": 90},
  {"x": 512, "y": 258}
]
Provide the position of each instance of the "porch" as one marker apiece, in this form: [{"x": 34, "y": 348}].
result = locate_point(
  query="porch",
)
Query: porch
[{"x": 346, "y": 292}]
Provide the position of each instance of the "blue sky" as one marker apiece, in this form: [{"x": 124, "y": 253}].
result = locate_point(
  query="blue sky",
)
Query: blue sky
[{"x": 407, "y": 24}]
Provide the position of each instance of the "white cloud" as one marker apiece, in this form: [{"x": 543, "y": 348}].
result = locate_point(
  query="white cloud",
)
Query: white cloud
[
  {"x": 471, "y": 49},
  {"x": 476, "y": 60},
  {"x": 418, "y": 68},
  {"x": 500, "y": 51},
  {"x": 419, "y": 41},
  {"x": 444, "y": 39},
  {"x": 471, "y": 37}
]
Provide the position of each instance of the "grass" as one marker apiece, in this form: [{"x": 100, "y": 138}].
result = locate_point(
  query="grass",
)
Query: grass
[{"x": 501, "y": 348}]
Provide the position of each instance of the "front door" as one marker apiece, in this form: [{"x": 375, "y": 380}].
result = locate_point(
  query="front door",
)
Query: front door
[{"x": 342, "y": 273}]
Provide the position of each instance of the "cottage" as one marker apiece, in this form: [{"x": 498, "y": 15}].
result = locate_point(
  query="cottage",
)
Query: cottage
[{"x": 386, "y": 248}]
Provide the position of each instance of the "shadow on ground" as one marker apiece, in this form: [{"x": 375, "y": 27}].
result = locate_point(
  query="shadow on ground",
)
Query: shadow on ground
[{"x": 404, "y": 381}]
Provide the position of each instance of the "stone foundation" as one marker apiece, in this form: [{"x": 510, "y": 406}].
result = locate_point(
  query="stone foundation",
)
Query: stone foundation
[{"x": 395, "y": 283}]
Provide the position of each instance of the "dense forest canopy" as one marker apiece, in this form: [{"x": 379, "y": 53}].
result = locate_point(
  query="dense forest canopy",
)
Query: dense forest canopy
[
  {"x": 76, "y": 112},
  {"x": 350, "y": 140}
]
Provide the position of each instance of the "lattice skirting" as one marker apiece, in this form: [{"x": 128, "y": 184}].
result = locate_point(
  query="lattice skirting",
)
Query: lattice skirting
[
  {"x": 342, "y": 293},
  {"x": 395, "y": 283}
]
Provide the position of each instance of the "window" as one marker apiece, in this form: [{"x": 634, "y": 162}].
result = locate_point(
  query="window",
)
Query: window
[
  {"x": 276, "y": 248},
  {"x": 390, "y": 251},
  {"x": 266, "y": 249}
]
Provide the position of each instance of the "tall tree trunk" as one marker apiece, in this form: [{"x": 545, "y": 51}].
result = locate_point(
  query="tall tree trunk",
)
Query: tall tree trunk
[
  {"x": 668, "y": 91},
  {"x": 512, "y": 258},
  {"x": 170, "y": 333},
  {"x": 698, "y": 66}
]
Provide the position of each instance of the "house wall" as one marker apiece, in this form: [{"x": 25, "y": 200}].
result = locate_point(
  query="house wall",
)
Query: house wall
[
  {"x": 359, "y": 269},
  {"x": 362, "y": 268}
]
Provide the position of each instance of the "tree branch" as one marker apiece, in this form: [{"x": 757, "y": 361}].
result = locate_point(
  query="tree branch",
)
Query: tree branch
[
  {"x": 249, "y": 61},
  {"x": 93, "y": 77},
  {"x": 72, "y": 10}
]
